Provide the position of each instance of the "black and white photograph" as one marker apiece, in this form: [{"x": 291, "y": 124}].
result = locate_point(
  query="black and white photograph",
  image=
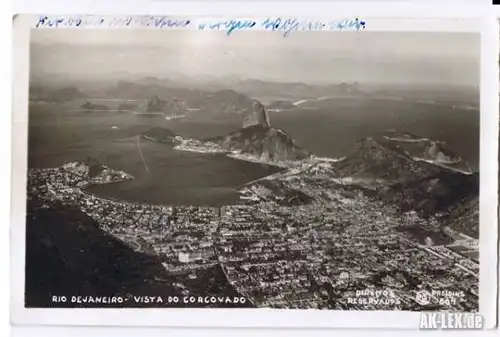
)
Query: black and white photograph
[{"x": 331, "y": 170}]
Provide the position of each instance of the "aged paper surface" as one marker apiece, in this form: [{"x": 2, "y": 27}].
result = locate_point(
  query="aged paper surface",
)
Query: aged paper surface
[{"x": 237, "y": 164}]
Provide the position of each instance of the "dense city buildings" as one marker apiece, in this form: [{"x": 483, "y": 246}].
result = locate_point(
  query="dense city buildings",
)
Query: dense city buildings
[{"x": 298, "y": 239}]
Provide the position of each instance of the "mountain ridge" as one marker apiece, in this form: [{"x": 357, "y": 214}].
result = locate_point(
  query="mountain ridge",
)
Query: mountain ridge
[{"x": 264, "y": 143}]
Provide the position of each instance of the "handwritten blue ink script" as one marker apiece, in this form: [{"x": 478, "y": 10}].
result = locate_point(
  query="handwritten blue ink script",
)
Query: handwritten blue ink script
[
  {"x": 286, "y": 26},
  {"x": 290, "y": 25},
  {"x": 95, "y": 21},
  {"x": 229, "y": 25}
]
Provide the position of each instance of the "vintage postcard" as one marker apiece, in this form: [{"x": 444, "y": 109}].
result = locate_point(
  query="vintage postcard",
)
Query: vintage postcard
[{"x": 264, "y": 168}]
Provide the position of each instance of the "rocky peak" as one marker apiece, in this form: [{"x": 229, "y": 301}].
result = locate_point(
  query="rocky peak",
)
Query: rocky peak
[
  {"x": 154, "y": 103},
  {"x": 257, "y": 115},
  {"x": 371, "y": 148}
]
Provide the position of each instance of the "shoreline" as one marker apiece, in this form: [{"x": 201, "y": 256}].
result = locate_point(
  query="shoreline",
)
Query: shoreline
[{"x": 229, "y": 154}]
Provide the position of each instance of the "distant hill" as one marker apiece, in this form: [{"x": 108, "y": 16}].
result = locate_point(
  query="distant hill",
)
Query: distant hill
[
  {"x": 159, "y": 134},
  {"x": 264, "y": 143},
  {"x": 193, "y": 91},
  {"x": 149, "y": 88},
  {"x": 153, "y": 104},
  {"x": 392, "y": 172},
  {"x": 422, "y": 148},
  {"x": 175, "y": 107},
  {"x": 52, "y": 95},
  {"x": 95, "y": 107},
  {"x": 376, "y": 164},
  {"x": 226, "y": 102},
  {"x": 178, "y": 100},
  {"x": 195, "y": 104},
  {"x": 293, "y": 90},
  {"x": 150, "y": 80},
  {"x": 132, "y": 90},
  {"x": 125, "y": 106}
]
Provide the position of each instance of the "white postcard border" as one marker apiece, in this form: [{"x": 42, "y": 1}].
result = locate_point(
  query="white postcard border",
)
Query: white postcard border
[{"x": 264, "y": 317}]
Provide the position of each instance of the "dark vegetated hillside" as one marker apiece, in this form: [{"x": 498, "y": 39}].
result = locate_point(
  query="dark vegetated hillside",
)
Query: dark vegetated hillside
[
  {"x": 160, "y": 134},
  {"x": 376, "y": 162},
  {"x": 68, "y": 255},
  {"x": 436, "y": 193}
]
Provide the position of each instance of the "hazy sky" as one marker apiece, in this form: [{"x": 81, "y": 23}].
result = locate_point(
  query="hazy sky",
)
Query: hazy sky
[{"x": 402, "y": 57}]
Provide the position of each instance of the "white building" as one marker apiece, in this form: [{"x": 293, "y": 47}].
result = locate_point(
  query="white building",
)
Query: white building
[{"x": 189, "y": 257}]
